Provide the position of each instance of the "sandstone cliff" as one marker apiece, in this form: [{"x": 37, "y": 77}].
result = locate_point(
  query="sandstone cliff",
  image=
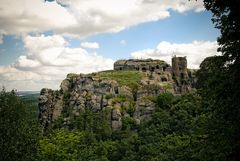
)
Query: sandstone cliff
[{"x": 128, "y": 91}]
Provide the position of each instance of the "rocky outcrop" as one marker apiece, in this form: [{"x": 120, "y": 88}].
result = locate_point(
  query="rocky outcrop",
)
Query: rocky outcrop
[
  {"x": 116, "y": 119},
  {"x": 50, "y": 106},
  {"x": 104, "y": 91},
  {"x": 79, "y": 92},
  {"x": 145, "y": 103}
]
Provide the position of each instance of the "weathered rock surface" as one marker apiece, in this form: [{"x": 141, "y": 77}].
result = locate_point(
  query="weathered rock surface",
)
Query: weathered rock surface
[
  {"x": 50, "y": 106},
  {"x": 79, "y": 92},
  {"x": 145, "y": 105}
]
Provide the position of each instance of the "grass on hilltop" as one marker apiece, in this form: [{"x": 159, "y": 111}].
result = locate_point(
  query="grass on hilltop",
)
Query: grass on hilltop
[{"x": 124, "y": 78}]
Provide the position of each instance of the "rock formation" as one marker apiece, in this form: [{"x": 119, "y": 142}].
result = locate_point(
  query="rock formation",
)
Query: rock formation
[{"x": 127, "y": 91}]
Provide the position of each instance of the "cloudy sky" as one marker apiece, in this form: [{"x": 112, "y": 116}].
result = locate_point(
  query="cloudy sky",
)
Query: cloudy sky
[{"x": 43, "y": 40}]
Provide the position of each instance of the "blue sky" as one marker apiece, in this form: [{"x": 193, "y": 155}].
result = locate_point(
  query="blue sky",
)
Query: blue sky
[
  {"x": 74, "y": 36},
  {"x": 178, "y": 28}
]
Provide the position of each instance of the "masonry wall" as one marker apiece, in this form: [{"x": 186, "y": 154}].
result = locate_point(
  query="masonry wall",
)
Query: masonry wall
[
  {"x": 179, "y": 68},
  {"x": 141, "y": 65}
]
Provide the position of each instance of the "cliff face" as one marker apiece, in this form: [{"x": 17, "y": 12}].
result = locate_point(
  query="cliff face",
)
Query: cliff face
[{"x": 123, "y": 93}]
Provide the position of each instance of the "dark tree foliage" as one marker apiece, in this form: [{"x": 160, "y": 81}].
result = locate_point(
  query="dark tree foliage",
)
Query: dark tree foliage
[
  {"x": 165, "y": 100},
  {"x": 213, "y": 86},
  {"x": 219, "y": 83},
  {"x": 18, "y": 131},
  {"x": 175, "y": 130},
  {"x": 226, "y": 18}
]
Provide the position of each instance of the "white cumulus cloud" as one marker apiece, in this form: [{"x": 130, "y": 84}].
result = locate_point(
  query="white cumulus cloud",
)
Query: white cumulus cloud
[
  {"x": 84, "y": 18},
  {"x": 90, "y": 45},
  {"x": 195, "y": 52},
  {"x": 47, "y": 62},
  {"x": 123, "y": 42}
]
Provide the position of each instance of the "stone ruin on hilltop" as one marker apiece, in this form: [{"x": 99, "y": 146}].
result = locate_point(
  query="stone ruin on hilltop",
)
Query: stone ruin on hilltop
[
  {"x": 101, "y": 91},
  {"x": 179, "y": 71},
  {"x": 142, "y": 65}
]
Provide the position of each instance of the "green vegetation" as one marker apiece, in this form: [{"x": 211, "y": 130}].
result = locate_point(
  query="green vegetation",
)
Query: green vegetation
[
  {"x": 167, "y": 86},
  {"x": 109, "y": 96},
  {"x": 120, "y": 98},
  {"x": 66, "y": 95},
  {"x": 19, "y": 132},
  {"x": 175, "y": 132},
  {"x": 220, "y": 85},
  {"x": 124, "y": 78},
  {"x": 165, "y": 100},
  {"x": 149, "y": 98},
  {"x": 129, "y": 106},
  {"x": 72, "y": 146},
  {"x": 127, "y": 78},
  {"x": 129, "y": 123},
  {"x": 31, "y": 100},
  {"x": 178, "y": 130},
  {"x": 151, "y": 87}
]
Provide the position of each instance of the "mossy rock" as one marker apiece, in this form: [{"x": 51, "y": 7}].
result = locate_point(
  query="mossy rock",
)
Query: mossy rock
[{"x": 72, "y": 75}]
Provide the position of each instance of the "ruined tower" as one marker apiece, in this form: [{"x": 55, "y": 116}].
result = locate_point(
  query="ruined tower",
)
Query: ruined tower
[{"x": 179, "y": 69}]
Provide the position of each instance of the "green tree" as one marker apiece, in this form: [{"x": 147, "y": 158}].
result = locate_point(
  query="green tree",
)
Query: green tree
[
  {"x": 219, "y": 82},
  {"x": 63, "y": 145},
  {"x": 226, "y": 18},
  {"x": 215, "y": 90},
  {"x": 165, "y": 100},
  {"x": 60, "y": 145},
  {"x": 18, "y": 131},
  {"x": 175, "y": 130},
  {"x": 102, "y": 124}
]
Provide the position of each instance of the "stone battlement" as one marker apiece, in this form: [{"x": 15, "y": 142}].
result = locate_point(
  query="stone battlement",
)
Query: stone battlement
[
  {"x": 178, "y": 71},
  {"x": 178, "y": 68},
  {"x": 142, "y": 65}
]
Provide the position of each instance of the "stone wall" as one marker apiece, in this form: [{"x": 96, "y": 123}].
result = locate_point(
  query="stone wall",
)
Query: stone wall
[
  {"x": 179, "y": 68},
  {"x": 184, "y": 78},
  {"x": 142, "y": 65}
]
